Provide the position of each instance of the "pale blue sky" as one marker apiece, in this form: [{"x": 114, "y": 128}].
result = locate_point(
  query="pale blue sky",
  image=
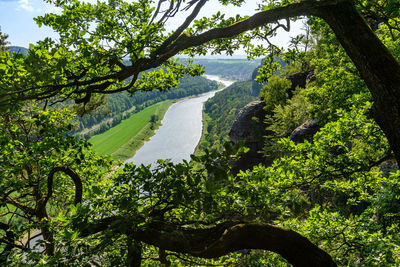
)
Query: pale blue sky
[{"x": 16, "y": 19}]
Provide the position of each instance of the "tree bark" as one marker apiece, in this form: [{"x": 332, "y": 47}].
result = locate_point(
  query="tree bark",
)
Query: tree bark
[{"x": 74, "y": 177}]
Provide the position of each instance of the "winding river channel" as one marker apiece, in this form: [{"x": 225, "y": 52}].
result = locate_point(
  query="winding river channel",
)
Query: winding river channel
[{"x": 180, "y": 131}]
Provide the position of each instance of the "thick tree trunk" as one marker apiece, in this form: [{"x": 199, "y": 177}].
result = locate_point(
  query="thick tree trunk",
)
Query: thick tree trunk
[{"x": 377, "y": 67}]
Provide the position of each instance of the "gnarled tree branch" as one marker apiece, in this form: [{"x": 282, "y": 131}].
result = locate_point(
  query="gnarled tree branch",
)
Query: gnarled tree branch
[
  {"x": 75, "y": 178},
  {"x": 222, "y": 239}
]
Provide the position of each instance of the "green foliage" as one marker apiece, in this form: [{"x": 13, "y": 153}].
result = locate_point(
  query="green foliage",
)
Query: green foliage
[
  {"x": 334, "y": 181},
  {"x": 84, "y": 52},
  {"x": 330, "y": 190},
  {"x": 337, "y": 79},
  {"x": 390, "y": 39},
  {"x": 275, "y": 92},
  {"x": 190, "y": 193},
  {"x": 283, "y": 120},
  {"x": 288, "y": 117},
  {"x": 368, "y": 243},
  {"x": 337, "y": 86},
  {"x": 271, "y": 65}
]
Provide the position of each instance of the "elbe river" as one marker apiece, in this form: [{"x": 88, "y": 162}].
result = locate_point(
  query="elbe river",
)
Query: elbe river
[{"x": 180, "y": 132}]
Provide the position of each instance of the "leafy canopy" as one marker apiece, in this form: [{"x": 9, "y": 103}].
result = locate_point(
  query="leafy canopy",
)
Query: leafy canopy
[{"x": 329, "y": 189}]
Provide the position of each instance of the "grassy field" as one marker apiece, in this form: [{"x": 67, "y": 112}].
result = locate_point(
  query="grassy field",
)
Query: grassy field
[{"x": 122, "y": 141}]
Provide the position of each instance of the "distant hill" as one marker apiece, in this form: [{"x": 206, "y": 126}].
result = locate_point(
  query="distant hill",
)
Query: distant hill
[
  {"x": 18, "y": 50},
  {"x": 233, "y": 69}
]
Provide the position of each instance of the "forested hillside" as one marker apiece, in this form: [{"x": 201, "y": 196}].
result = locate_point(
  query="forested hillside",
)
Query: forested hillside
[
  {"x": 231, "y": 69},
  {"x": 17, "y": 49},
  {"x": 220, "y": 112}
]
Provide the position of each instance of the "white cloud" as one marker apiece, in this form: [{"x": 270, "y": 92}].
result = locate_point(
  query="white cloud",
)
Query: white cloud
[
  {"x": 51, "y": 9},
  {"x": 25, "y": 5}
]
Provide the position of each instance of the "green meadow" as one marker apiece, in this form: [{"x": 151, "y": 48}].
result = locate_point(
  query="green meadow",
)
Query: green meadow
[{"x": 122, "y": 141}]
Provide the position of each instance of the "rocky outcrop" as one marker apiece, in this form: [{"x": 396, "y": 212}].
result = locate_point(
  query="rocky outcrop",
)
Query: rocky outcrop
[
  {"x": 299, "y": 79},
  {"x": 249, "y": 127},
  {"x": 255, "y": 86},
  {"x": 388, "y": 214},
  {"x": 305, "y": 131},
  {"x": 249, "y": 124},
  {"x": 387, "y": 167}
]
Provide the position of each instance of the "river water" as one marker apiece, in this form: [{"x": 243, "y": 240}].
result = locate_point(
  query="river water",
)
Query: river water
[{"x": 180, "y": 132}]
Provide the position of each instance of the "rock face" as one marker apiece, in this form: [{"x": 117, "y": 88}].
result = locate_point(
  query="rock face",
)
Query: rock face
[
  {"x": 299, "y": 79},
  {"x": 249, "y": 127},
  {"x": 255, "y": 86},
  {"x": 305, "y": 131},
  {"x": 387, "y": 167}
]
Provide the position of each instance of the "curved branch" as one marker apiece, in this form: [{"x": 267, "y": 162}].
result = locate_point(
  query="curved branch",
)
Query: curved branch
[
  {"x": 234, "y": 236},
  {"x": 223, "y": 239},
  {"x": 75, "y": 178},
  {"x": 259, "y": 19}
]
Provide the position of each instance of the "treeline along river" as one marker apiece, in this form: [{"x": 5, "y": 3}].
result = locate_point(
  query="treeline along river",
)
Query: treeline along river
[{"x": 180, "y": 132}]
